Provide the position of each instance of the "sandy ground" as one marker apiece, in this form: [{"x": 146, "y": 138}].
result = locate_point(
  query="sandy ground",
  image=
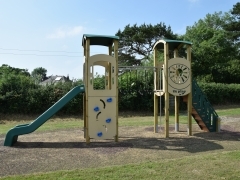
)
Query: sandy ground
[{"x": 66, "y": 149}]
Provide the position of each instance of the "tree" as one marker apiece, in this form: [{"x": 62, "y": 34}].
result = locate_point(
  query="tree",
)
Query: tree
[
  {"x": 14, "y": 85},
  {"x": 39, "y": 74},
  {"x": 233, "y": 26},
  {"x": 211, "y": 43},
  {"x": 136, "y": 42},
  {"x": 227, "y": 73},
  {"x": 6, "y": 69}
]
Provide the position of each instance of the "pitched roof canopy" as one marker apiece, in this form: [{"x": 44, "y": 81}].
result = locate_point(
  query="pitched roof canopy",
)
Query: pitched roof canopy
[
  {"x": 172, "y": 44},
  {"x": 101, "y": 40}
]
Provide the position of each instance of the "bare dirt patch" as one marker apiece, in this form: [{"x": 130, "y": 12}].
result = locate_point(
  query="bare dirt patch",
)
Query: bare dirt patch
[{"x": 66, "y": 149}]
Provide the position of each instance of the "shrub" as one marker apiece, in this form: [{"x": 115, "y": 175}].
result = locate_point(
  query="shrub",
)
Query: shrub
[{"x": 218, "y": 93}]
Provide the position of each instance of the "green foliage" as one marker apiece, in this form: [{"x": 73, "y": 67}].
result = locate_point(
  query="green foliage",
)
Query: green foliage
[
  {"x": 99, "y": 82},
  {"x": 233, "y": 26},
  {"x": 14, "y": 85},
  {"x": 218, "y": 93},
  {"x": 39, "y": 74},
  {"x": 136, "y": 42},
  {"x": 5, "y": 70},
  {"x": 136, "y": 90},
  {"x": 20, "y": 95},
  {"x": 227, "y": 72},
  {"x": 211, "y": 43}
]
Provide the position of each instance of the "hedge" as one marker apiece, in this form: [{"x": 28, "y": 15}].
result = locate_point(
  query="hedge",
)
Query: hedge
[
  {"x": 220, "y": 94},
  {"x": 28, "y": 98}
]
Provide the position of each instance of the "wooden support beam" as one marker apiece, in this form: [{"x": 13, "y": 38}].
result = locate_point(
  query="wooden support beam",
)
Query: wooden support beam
[
  {"x": 189, "y": 95},
  {"x": 109, "y": 69},
  {"x": 116, "y": 74},
  {"x": 156, "y": 79},
  {"x": 176, "y": 101},
  {"x": 218, "y": 125},
  {"x": 87, "y": 55},
  {"x": 166, "y": 58},
  {"x": 84, "y": 113}
]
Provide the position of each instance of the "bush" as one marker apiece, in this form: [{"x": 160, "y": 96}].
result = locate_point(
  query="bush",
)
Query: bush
[
  {"x": 218, "y": 93},
  {"x": 20, "y": 95}
]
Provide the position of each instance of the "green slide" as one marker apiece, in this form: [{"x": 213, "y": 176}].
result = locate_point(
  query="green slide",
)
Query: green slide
[{"x": 13, "y": 133}]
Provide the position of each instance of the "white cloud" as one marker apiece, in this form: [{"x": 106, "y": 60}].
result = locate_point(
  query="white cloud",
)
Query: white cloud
[{"x": 66, "y": 32}]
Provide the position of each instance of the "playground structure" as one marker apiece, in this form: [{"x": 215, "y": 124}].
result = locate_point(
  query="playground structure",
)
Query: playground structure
[
  {"x": 100, "y": 106},
  {"x": 176, "y": 81}
]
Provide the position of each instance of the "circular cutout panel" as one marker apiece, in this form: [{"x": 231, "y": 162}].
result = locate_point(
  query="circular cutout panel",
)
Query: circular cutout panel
[{"x": 179, "y": 76}]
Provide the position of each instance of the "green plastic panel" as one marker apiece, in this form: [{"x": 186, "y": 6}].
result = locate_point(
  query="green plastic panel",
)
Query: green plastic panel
[
  {"x": 172, "y": 44},
  {"x": 100, "y": 40}
]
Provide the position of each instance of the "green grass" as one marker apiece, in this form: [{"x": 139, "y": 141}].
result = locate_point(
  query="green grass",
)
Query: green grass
[
  {"x": 66, "y": 123},
  {"x": 228, "y": 112},
  {"x": 50, "y": 125},
  {"x": 76, "y": 123},
  {"x": 223, "y": 165}
]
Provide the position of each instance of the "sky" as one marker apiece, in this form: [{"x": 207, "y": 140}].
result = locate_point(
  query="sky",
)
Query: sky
[{"x": 48, "y": 33}]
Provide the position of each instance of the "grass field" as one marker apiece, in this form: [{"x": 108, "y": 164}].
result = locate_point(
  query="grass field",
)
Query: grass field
[
  {"x": 213, "y": 166},
  {"x": 76, "y": 122},
  {"x": 219, "y": 159}
]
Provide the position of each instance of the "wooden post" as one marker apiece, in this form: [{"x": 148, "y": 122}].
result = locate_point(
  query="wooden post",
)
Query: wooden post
[
  {"x": 87, "y": 55},
  {"x": 109, "y": 69},
  {"x": 176, "y": 102},
  {"x": 189, "y": 95},
  {"x": 218, "y": 125},
  {"x": 166, "y": 58},
  {"x": 84, "y": 94},
  {"x": 84, "y": 113},
  {"x": 155, "y": 96},
  {"x": 116, "y": 73}
]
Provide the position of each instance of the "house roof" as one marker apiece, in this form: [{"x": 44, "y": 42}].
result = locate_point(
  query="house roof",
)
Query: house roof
[
  {"x": 101, "y": 40},
  {"x": 55, "y": 79}
]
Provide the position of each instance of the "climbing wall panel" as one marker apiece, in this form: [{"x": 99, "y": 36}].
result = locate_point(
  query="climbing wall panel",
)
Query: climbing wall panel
[{"x": 102, "y": 117}]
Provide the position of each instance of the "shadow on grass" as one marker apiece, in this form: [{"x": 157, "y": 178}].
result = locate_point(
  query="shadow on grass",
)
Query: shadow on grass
[
  {"x": 227, "y": 133},
  {"x": 192, "y": 144},
  {"x": 199, "y": 142}
]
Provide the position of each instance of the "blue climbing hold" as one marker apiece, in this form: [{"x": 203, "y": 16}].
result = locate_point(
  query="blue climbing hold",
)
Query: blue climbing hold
[
  {"x": 109, "y": 100},
  {"x": 108, "y": 120},
  {"x": 96, "y": 109},
  {"x": 99, "y": 134}
]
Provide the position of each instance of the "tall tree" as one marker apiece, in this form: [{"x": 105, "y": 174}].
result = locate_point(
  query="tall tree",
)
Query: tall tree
[
  {"x": 233, "y": 26},
  {"x": 136, "y": 42},
  {"x": 39, "y": 74},
  {"x": 211, "y": 43}
]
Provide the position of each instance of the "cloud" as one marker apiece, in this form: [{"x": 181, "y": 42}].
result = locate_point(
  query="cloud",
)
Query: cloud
[{"x": 61, "y": 33}]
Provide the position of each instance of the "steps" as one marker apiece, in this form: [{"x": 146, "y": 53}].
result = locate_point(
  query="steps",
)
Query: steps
[{"x": 202, "y": 110}]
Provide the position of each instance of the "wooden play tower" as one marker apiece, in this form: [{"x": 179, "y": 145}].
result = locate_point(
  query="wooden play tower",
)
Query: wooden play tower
[
  {"x": 100, "y": 106},
  {"x": 176, "y": 80}
]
